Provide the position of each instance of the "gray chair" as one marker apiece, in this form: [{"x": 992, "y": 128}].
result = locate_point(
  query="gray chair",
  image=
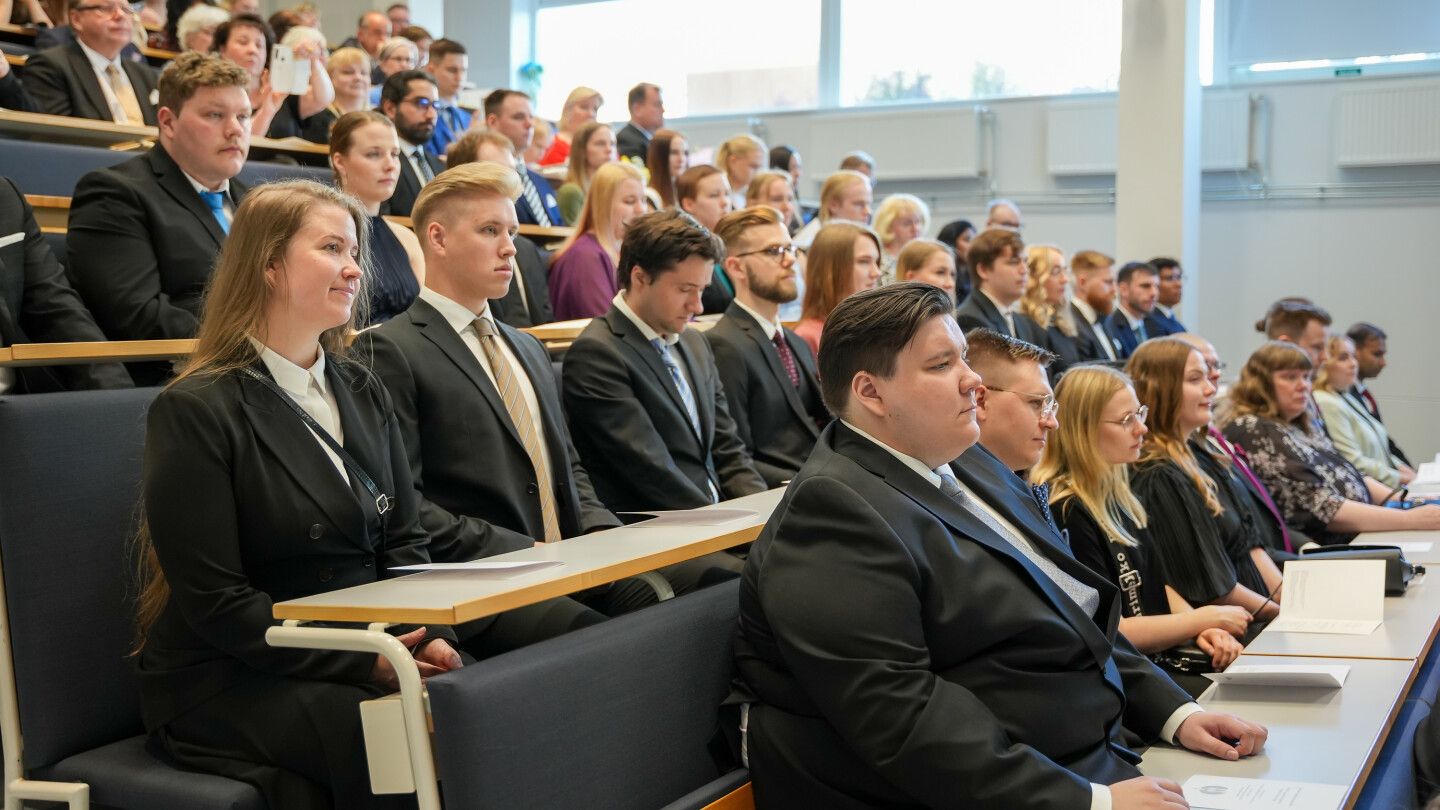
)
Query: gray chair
[{"x": 69, "y": 494}]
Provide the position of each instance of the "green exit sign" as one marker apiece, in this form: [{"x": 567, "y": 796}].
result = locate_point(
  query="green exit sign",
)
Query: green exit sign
[{"x": 1351, "y": 71}]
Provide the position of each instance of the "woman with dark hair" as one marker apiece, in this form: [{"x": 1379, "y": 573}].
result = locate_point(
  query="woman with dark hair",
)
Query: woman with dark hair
[
  {"x": 668, "y": 158},
  {"x": 247, "y": 40},
  {"x": 786, "y": 159},
  {"x": 958, "y": 235}
]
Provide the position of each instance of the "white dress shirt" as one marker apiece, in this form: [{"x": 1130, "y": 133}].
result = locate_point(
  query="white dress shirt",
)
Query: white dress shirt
[
  {"x": 766, "y": 325},
  {"x": 99, "y": 64},
  {"x": 1093, "y": 319},
  {"x": 462, "y": 320},
  {"x": 307, "y": 386},
  {"x": 1008, "y": 313},
  {"x": 1134, "y": 322}
]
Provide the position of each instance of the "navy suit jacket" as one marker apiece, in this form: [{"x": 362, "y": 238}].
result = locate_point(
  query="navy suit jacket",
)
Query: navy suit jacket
[
  {"x": 547, "y": 198},
  {"x": 1158, "y": 324},
  {"x": 445, "y": 134},
  {"x": 1119, "y": 328}
]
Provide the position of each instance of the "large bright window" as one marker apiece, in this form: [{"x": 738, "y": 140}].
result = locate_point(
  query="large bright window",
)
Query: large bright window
[
  {"x": 937, "y": 50},
  {"x": 734, "y": 56}
]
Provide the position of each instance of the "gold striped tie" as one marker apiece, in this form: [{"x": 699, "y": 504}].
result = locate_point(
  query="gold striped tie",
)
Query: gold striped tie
[{"x": 524, "y": 424}]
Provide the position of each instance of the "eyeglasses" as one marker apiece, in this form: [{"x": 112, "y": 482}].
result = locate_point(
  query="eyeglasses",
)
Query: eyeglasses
[
  {"x": 776, "y": 252},
  {"x": 1044, "y": 405},
  {"x": 421, "y": 103},
  {"x": 106, "y": 10},
  {"x": 1176, "y": 277},
  {"x": 1130, "y": 420},
  {"x": 1218, "y": 365}
]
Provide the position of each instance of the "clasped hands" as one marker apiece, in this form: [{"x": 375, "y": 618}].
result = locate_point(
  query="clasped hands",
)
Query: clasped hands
[
  {"x": 431, "y": 658},
  {"x": 1221, "y": 735}
]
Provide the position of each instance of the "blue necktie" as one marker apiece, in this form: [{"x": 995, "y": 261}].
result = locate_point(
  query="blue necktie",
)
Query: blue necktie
[
  {"x": 686, "y": 395},
  {"x": 216, "y": 201}
]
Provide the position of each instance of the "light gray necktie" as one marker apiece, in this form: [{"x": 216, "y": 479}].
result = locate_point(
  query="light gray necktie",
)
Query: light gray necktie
[
  {"x": 426, "y": 173},
  {"x": 1083, "y": 595}
]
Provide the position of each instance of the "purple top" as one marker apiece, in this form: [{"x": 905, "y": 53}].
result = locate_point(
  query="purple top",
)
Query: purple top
[{"x": 582, "y": 280}]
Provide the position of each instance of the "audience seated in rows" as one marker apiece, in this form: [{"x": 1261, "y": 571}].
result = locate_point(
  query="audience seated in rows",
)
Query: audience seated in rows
[
  {"x": 957, "y": 235},
  {"x": 1092, "y": 304},
  {"x": 930, "y": 261},
  {"x": 845, "y": 195},
  {"x": 997, "y": 264},
  {"x": 647, "y": 117},
  {"x": 423, "y": 40},
  {"x": 408, "y": 100},
  {"x": 843, "y": 260},
  {"x": 581, "y": 107},
  {"x": 766, "y": 370},
  {"x": 349, "y": 70},
  {"x": 740, "y": 157},
  {"x": 583, "y": 279},
  {"x": 899, "y": 219},
  {"x": 88, "y": 77},
  {"x": 1357, "y": 435},
  {"x": 196, "y": 29},
  {"x": 509, "y": 113},
  {"x": 1044, "y": 303},
  {"x": 143, "y": 235},
  {"x": 1370, "y": 350},
  {"x": 704, "y": 194},
  {"x": 594, "y": 147},
  {"x": 449, "y": 64},
  {"x": 1136, "y": 288},
  {"x": 1163, "y": 319},
  {"x": 396, "y": 54},
  {"x": 666, "y": 159}
]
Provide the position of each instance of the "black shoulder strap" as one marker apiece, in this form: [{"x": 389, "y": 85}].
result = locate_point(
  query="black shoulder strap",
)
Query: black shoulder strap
[{"x": 382, "y": 501}]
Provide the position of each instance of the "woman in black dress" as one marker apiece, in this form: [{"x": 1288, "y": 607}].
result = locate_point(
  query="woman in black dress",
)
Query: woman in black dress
[{"x": 365, "y": 153}]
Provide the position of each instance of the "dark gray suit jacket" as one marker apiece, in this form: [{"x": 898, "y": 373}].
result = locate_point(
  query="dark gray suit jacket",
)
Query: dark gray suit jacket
[
  {"x": 1086, "y": 340},
  {"x": 534, "y": 309},
  {"x": 978, "y": 311},
  {"x": 632, "y": 142},
  {"x": 898, "y": 653},
  {"x": 408, "y": 185},
  {"x": 631, "y": 426},
  {"x": 62, "y": 82},
  {"x": 777, "y": 422},
  {"x": 477, "y": 487}
]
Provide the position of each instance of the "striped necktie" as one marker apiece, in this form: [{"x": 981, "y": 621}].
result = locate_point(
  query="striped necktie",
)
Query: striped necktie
[
  {"x": 532, "y": 198},
  {"x": 524, "y": 424},
  {"x": 426, "y": 173},
  {"x": 686, "y": 395}
]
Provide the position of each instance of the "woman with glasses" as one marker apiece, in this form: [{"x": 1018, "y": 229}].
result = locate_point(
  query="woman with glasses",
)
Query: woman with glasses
[
  {"x": 900, "y": 219},
  {"x": 1086, "y": 463},
  {"x": 1213, "y": 548},
  {"x": 396, "y": 54},
  {"x": 1320, "y": 493},
  {"x": 246, "y": 40}
]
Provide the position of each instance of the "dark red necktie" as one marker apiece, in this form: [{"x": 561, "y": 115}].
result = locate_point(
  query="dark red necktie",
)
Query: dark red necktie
[
  {"x": 1237, "y": 455},
  {"x": 787, "y": 357},
  {"x": 1370, "y": 402}
]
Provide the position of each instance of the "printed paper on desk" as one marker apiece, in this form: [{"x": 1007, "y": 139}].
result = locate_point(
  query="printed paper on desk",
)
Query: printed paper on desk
[
  {"x": 1232, "y": 793},
  {"x": 7, "y": 241},
  {"x": 1413, "y": 548},
  {"x": 480, "y": 565},
  {"x": 692, "y": 517},
  {"x": 1332, "y": 596},
  {"x": 1328, "y": 677}
]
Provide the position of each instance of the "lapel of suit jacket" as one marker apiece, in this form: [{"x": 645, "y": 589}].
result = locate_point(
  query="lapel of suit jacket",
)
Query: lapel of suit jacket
[
  {"x": 992, "y": 314},
  {"x": 629, "y": 335},
  {"x": 89, "y": 83},
  {"x": 747, "y": 324},
  {"x": 170, "y": 178},
  {"x": 437, "y": 330},
  {"x": 408, "y": 187},
  {"x": 289, "y": 440}
]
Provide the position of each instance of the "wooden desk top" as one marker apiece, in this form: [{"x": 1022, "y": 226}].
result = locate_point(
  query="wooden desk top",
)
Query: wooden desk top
[
  {"x": 1406, "y": 634},
  {"x": 1326, "y": 736},
  {"x": 63, "y": 129},
  {"x": 591, "y": 560}
]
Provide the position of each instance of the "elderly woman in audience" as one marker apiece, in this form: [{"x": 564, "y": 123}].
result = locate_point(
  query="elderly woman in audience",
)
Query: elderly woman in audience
[
  {"x": 349, "y": 70},
  {"x": 1320, "y": 493},
  {"x": 365, "y": 155},
  {"x": 1214, "y": 549},
  {"x": 396, "y": 54},
  {"x": 594, "y": 147},
  {"x": 246, "y": 40},
  {"x": 845, "y": 195},
  {"x": 930, "y": 261},
  {"x": 581, "y": 107},
  {"x": 900, "y": 219},
  {"x": 270, "y": 427},
  {"x": 843, "y": 260},
  {"x": 1359, "y": 437},
  {"x": 958, "y": 234},
  {"x": 196, "y": 29},
  {"x": 667, "y": 158},
  {"x": 740, "y": 158},
  {"x": 582, "y": 280},
  {"x": 1044, "y": 302},
  {"x": 1086, "y": 464}
]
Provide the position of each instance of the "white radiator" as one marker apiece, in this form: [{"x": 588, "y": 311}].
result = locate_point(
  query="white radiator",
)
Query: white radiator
[
  {"x": 1388, "y": 123},
  {"x": 1080, "y": 136}
]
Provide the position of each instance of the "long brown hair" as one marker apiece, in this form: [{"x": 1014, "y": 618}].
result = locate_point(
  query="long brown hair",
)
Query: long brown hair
[
  {"x": 595, "y": 215},
  {"x": 1158, "y": 369},
  {"x": 657, "y": 160},
  {"x": 830, "y": 267},
  {"x": 234, "y": 309},
  {"x": 342, "y": 134},
  {"x": 580, "y": 171}
]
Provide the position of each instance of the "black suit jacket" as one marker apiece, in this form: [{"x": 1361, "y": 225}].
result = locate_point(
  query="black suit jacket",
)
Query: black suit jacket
[
  {"x": 899, "y": 654},
  {"x": 631, "y": 426},
  {"x": 246, "y": 510},
  {"x": 62, "y": 82},
  {"x": 477, "y": 487},
  {"x": 632, "y": 142},
  {"x": 37, "y": 305},
  {"x": 142, "y": 245},
  {"x": 534, "y": 309},
  {"x": 1086, "y": 341},
  {"x": 408, "y": 186},
  {"x": 777, "y": 422},
  {"x": 979, "y": 311},
  {"x": 13, "y": 95}
]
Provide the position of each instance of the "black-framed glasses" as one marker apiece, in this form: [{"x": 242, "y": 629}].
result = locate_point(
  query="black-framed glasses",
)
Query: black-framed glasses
[
  {"x": 1130, "y": 420},
  {"x": 776, "y": 252},
  {"x": 1043, "y": 404},
  {"x": 421, "y": 103},
  {"x": 106, "y": 9}
]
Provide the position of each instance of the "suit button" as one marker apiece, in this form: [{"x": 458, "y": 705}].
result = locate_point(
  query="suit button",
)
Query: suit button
[
  {"x": 316, "y": 531},
  {"x": 533, "y": 489},
  {"x": 326, "y": 574},
  {"x": 369, "y": 560}
]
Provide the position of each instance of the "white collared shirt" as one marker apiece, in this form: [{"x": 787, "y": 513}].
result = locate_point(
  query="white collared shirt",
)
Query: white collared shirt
[
  {"x": 1134, "y": 322},
  {"x": 462, "y": 320},
  {"x": 227, "y": 203},
  {"x": 407, "y": 153},
  {"x": 766, "y": 325},
  {"x": 1093, "y": 318},
  {"x": 1008, "y": 313},
  {"x": 99, "y": 64},
  {"x": 308, "y": 387},
  {"x": 1166, "y": 311}
]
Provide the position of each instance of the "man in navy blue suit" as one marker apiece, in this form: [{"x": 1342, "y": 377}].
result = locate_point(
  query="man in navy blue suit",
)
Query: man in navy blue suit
[
  {"x": 448, "y": 64},
  {"x": 509, "y": 113},
  {"x": 1162, "y": 321},
  {"x": 1136, "y": 287}
]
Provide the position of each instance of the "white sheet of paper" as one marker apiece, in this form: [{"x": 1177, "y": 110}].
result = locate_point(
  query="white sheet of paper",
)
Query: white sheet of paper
[
  {"x": 1332, "y": 596},
  {"x": 1413, "y": 548},
  {"x": 481, "y": 565},
  {"x": 1332, "y": 677},
  {"x": 7, "y": 241},
  {"x": 288, "y": 74},
  {"x": 693, "y": 517},
  {"x": 1233, "y": 793}
]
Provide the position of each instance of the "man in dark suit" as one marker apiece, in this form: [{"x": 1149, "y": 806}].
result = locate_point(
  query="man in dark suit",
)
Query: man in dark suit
[
  {"x": 768, "y": 371},
  {"x": 1162, "y": 319},
  {"x": 88, "y": 78},
  {"x": 647, "y": 116},
  {"x": 527, "y": 301},
  {"x": 864, "y": 685},
  {"x": 408, "y": 99},
  {"x": 1094, "y": 300},
  {"x": 509, "y": 113},
  {"x": 998, "y": 270},
  {"x": 1014, "y": 405},
  {"x": 1370, "y": 352},
  {"x": 37, "y": 305},
  {"x": 448, "y": 63},
  {"x": 1137, "y": 286},
  {"x": 144, "y": 234}
]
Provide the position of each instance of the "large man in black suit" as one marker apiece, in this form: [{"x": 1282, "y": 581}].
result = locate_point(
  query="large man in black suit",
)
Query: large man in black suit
[
  {"x": 144, "y": 234},
  {"x": 37, "y": 304},
  {"x": 912, "y": 632},
  {"x": 998, "y": 270},
  {"x": 647, "y": 115},
  {"x": 408, "y": 99},
  {"x": 647, "y": 409},
  {"x": 767, "y": 370},
  {"x": 88, "y": 78}
]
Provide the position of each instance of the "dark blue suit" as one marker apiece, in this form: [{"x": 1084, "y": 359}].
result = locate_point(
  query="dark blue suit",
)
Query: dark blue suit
[
  {"x": 1158, "y": 324},
  {"x": 547, "y": 198},
  {"x": 1119, "y": 328},
  {"x": 448, "y": 131}
]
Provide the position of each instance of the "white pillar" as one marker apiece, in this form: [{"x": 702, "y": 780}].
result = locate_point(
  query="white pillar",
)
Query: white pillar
[{"x": 1157, "y": 179}]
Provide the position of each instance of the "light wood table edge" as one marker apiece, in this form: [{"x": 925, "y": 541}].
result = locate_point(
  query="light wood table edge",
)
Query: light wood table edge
[
  {"x": 39, "y": 354},
  {"x": 499, "y": 603},
  {"x": 741, "y": 798}
]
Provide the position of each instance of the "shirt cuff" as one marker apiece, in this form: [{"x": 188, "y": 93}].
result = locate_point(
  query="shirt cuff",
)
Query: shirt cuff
[
  {"x": 1100, "y": 797},
  {"x": 1167, "y": 731}
]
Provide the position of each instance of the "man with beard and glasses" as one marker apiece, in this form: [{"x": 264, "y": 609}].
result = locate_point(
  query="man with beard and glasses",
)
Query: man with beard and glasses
[
  {"x": 1094, "y": 300},
  {"x": 408, "y": 99},
  {"x": 767, "y": 371}
]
